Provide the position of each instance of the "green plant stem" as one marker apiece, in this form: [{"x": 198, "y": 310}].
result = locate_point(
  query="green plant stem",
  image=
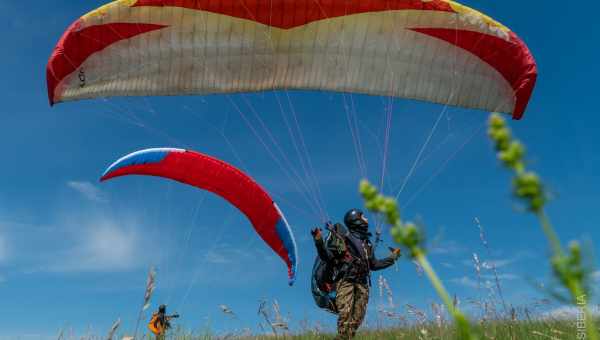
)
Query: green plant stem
[
  {"x": 550, "y": 233},
  {"x": 573, "y": 286},
  {"x": 590, "y": 325},
  {"x": 435, "y": 281},
  {"x": 567, "y": 267},
  {"x": 462, "y": 323}
]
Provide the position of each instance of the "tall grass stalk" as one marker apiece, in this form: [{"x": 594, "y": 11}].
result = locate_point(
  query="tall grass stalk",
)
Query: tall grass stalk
[
  {"x": 150, "y": 286},
  {"x": 567, "y": 265},
  {"x": 113, "y": 329},
  {"x": 492, "y": 265},
  {"x": 411, "y": 237}
]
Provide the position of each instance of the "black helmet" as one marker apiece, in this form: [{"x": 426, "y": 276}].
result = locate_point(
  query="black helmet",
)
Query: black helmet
[
  {"x": 162, "y": 309},
  {"x": 353, "y": 219}
]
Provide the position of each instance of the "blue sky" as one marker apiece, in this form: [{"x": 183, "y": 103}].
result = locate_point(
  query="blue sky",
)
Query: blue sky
[{"x": 74, "y": 252}]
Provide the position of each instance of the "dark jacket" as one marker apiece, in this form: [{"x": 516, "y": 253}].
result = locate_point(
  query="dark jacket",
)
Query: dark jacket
[
  {"x": 351, "y": 257},
  {"x": 162, "y": 321}
]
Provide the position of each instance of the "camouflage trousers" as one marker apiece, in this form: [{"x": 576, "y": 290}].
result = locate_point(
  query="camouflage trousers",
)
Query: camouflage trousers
[{"x": 351, "y": 301}]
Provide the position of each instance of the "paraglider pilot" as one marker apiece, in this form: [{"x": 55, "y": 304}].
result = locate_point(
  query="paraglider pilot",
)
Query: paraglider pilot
[
  {"x": 352, "y": 257},
  {"x": 160, "y": 322}
]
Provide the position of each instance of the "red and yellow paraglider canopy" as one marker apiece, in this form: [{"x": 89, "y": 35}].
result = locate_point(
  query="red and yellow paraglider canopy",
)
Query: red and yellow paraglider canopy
[{"x": 437, "y": 51}]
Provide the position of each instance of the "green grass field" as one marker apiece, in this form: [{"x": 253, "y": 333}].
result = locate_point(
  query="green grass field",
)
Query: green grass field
[{"x": 539, "y": 329}]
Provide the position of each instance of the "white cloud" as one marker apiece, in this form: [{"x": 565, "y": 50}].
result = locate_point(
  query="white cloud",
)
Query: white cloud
[
  {"x": 490, "y": 264},
  {"x": 88, "y": 190},
  {"x": 447, "y": 248},
  {"x": 465, "y": 281},
  {"x": 497, "y": 263},
  {"x": 102, "y": 246},
  {"x": 501, "y": 277},
  {"x": 216, "y": 257},
  {"x": 486, "y": 280},
  {"x": 568, "y": 313},
  {"x": 226, "y": 254},
  {"x": 501, "y": 262}
]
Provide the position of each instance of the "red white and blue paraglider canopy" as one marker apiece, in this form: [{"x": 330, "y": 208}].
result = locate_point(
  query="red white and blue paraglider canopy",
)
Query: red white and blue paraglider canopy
[{"x": 223, "y": 179}]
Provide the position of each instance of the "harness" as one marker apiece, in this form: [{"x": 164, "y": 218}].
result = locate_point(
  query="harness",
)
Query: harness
[
  {"x": 353, "y": 265},
  {"x": 356, "y": 263}
]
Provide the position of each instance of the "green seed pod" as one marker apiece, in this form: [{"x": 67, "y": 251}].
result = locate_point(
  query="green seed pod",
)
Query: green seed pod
[
  {"x": 559, "y": 266},
  {"x": 528, "y": 187},
  {"x": 502, "y": 137},
  {"x": 371, "y": 205},
  {"x": 537, "y": 204},
  {"x": 507, "y": 158},
  {"x": 390, "y": 204},
  {"x": 397, "y": 234},
  {"x": 379, "y": 203},
  {"x": 412, "y": 236},
  {"x": 367, "y": 189},
  {"x": 391, "y": 211},
  {"x": 513, "y": 155},
  {"x": 575, "y": 250},
  {"x": 496, "y": 121}
]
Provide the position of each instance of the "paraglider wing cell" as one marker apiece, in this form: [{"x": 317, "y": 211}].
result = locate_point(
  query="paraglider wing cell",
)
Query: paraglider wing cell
[{"x": 223, "y": 179}]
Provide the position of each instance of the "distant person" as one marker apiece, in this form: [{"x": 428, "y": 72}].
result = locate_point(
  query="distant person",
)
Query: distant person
[
  {"x": 160, "y": 322},
  {"x": 351, "y": 256}
]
